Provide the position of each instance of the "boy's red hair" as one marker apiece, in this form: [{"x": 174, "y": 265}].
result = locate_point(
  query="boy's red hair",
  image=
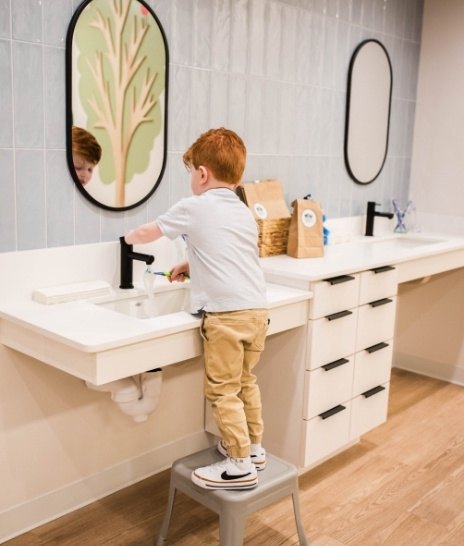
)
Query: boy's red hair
[{"x": 221, "y": 151}]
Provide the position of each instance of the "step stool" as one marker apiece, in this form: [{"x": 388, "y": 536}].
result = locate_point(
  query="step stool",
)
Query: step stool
[{"x": 278, "y": 479}]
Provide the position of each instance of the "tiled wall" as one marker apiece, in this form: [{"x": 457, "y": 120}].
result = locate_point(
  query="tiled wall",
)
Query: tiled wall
[{"x": 273, "y": 70}]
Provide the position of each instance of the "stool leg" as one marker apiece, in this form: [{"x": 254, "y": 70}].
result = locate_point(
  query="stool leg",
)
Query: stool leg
[
  {"x": 231, "y": 528},
  {"x": 299, "y": 525},
  {"x": 162, "y": 537}
]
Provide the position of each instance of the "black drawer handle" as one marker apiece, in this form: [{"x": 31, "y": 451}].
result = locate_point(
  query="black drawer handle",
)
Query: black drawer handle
[
  {"x": 382, "y": 269},
  {"x": 339, "y": 279},
  {"x": 333, "y": 411},
  {"x": 373, "y": 391},
  {"x": 338, "y": 315},
  {"x": 383, "y": 301},
  {"x": 376, "y": 347},
  {"x": 335, "y": 364}
]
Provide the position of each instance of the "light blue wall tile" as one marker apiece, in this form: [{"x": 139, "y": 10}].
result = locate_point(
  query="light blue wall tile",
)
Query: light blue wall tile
[
  {"x": 30, "y": 199},
  {"x": 289, "y": 40},
  {"x": 5, "y": 29},
  {"x": 87, "y": 225},
  {"x": 112, "y": 225},
  {"x": 55, "y": 110},
  {"x": 7, "y": 202},
  {"x": 59, "y": 200},
  {"x": 200, "y": 100},
  {"x": 237, "y": 103},
  {"x": 201, "y": 40},
  {"x": 179, "y": 108},
  {"x": 256, "y": 38},
  {"x": 220, "y": 35},
  {"x": 239, "y": 47},
  {"x": 6, "y": 109},
  {"x": 218, "y": 99},
  {"x": 28, "y": 95},
  {"x": 182, "y": 17},
  {"x": 57, "y": 14},
  {"x": 159, "y": 201},
  {"x": 273, "y": 39},
  {"x": 27, "y": 20}
]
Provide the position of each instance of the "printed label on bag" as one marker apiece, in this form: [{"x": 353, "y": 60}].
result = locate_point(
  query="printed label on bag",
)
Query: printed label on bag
[
  {"x": 260, "y": 211},
  {"x": 308, "y": 218}
]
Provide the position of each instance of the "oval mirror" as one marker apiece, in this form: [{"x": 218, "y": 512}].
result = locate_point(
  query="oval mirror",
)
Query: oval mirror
[
  {"x": 368, "y": 111},
  {"x": 116, "y": 101}
]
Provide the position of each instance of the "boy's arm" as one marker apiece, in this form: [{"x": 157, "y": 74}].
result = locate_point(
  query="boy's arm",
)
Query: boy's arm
[{"x": 146, "y": 233}]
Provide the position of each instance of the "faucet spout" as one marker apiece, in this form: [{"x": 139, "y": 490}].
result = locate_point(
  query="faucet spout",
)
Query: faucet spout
[
  {"x": 371, "y": 214},
  {"x": 127, "y": 258}
]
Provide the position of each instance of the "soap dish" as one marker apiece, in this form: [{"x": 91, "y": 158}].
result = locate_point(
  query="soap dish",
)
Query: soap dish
[{"x": 71, "y": 292}]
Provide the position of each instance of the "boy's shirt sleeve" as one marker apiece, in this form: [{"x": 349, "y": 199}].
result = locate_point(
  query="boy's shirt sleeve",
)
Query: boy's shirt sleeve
[{"x": 175, "y": 221}]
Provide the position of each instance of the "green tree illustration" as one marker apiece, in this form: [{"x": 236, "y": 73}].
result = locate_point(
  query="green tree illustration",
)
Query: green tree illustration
[{"x": 121, "y": 65}]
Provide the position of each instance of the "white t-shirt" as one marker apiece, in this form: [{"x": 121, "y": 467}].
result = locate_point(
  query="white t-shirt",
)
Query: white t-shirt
[{"x": 221, "y": 236}]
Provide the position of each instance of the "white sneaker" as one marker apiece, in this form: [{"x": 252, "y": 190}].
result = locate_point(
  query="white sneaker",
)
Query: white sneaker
[
  {"x": 258, "y": 456},
  {"x": 226, "y": 474}
]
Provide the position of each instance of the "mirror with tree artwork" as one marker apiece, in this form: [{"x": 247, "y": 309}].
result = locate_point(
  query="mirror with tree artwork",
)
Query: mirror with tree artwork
[{"x": 117, "y": 88}]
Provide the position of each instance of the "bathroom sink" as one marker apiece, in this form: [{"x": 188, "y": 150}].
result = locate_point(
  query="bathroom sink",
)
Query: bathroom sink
[
  {"x": 402, "y": 242},
  {"x": 143, "y": 307}
]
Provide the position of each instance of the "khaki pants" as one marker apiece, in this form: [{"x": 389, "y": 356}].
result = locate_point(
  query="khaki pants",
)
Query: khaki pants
[{"x": 233, "y": 342}]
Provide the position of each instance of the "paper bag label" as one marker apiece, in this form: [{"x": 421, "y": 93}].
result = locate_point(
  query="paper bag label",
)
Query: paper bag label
[
  {"x": 308, "y": 218},
  {"x": 260, "y": 211}
]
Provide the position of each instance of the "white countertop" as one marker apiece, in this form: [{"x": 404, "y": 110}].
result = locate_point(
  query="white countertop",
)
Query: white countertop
[
  {"x": 362, "y": 253},
  {"x": 92, "y": 328}
]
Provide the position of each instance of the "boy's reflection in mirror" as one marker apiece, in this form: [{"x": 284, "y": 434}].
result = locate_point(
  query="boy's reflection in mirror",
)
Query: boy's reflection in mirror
[{"x": 86, "y": 153}]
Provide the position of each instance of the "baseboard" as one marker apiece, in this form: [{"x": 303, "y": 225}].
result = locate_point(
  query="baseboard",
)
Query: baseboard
[
  {"x": 430, "y": 368},
  {"x": 26, "y": 516}
]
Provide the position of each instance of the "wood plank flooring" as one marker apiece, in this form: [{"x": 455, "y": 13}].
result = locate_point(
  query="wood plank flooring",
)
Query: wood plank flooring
[{"x": 403, "y": 484}]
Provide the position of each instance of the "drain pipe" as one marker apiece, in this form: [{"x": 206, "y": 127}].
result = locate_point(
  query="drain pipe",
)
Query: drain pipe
[{"x": 136, "y": 396}]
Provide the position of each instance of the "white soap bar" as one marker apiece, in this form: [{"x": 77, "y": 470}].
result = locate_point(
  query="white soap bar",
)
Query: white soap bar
[{"x": 71, "y": 292}]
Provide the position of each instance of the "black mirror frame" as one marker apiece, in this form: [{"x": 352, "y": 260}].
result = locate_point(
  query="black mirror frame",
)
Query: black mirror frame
[
  {"x": 69, "y": 115},
  {"x": 347, "y": 111}
]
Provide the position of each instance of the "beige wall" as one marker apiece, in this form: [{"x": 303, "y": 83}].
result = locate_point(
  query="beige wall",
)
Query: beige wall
[{"x": 437, "y": 173}]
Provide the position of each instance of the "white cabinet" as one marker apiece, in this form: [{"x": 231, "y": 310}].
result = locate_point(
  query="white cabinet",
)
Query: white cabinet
[{"x": 348, "y": 360}]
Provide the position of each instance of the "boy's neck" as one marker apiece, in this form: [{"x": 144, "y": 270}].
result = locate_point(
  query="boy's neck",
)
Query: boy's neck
[{"x": 214, "y": 184}]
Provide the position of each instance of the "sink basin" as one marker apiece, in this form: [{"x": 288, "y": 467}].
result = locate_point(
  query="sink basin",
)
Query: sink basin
[
  {"x": 143, "y": 307},
  {"x": 402, "y": 242}
]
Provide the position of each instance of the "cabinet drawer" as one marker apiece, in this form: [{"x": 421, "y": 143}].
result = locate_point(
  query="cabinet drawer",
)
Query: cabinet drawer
[
  {"x": 369, "y": 410},
  {"x": 331, "y": 338},
  {"x": 372, "y": 367},
  {"x": 327, "y": 386},
  {"x": 326, "y": 434},
  {"x": 376, "y": 322},
  {"x": 334, "y": 294},
  {"x": 378, "y": 283}
]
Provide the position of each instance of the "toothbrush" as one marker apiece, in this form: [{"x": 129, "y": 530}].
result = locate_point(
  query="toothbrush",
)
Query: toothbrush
[
  {"x": 165, "y": 273},
  {"x": 162, "y": 273}
]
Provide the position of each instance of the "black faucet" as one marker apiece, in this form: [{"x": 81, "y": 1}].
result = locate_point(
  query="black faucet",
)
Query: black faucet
[
  {"x": 371, "y": 214},
  {"x": 127, "y": 257}
]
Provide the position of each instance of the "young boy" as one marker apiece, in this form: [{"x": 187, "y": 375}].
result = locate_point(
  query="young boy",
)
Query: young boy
[
  {"x": 227, "y": 287},
  {"x": 86, "y": 152}
]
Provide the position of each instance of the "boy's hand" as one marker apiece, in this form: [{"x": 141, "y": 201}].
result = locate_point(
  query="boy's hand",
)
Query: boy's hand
[{"x": 180, "y": 272}]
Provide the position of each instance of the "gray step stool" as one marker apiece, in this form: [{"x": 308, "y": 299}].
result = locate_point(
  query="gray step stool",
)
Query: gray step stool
[{"x": 278, "y": 479}]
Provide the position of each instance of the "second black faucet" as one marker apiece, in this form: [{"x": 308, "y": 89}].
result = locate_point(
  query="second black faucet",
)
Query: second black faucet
[{"x": 370, "y": 216}]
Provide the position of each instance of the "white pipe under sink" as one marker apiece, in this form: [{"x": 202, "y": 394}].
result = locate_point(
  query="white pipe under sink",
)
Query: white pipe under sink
[{"x": 136, "y": 396}]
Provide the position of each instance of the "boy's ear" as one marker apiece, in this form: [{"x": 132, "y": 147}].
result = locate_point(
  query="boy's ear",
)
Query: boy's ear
[{"x": 203, "y": 173}]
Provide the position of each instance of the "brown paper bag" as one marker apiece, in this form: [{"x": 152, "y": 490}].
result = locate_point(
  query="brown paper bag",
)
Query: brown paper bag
[
  {"x": 305, "y": 237},
  {"x": 265, "y": 199}
]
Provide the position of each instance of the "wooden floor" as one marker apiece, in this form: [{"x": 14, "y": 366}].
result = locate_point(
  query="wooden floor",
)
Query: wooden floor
[{"x": 403, "y": 484}]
